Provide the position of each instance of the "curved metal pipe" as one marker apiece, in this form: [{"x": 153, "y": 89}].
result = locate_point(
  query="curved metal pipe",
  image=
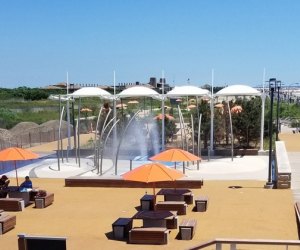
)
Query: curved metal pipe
[
  {"x": 101, "y": 134},
  {"x": 78, "y": 132},
  {"x": 100, "y": 139},
  {"x": 184, "y": 131},
  {"x": 118, "y": 148},
  {"x": 76, "y": 135},
  {"x": 96, "y": 132},
  {"x": 180, "y": 123},
  {"x": 59, "y": 138},
  {"x": 104, "y": 124},
  {"x": 193, "y": 134},
  {"x": 199, "y": 135},
  {"x": 103, "y": 147},
  {"x": 230, "y": 120}
]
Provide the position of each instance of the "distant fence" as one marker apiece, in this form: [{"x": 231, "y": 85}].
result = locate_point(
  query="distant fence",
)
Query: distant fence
[{"x": 33, "y": 138}]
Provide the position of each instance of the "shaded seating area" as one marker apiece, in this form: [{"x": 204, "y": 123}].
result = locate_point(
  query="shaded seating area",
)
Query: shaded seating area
[
  {"x": 17, "y": 201},
  {"x": 157, "y": 218}
]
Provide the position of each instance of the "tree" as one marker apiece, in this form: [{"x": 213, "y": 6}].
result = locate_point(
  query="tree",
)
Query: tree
[
  {"x": 8, "y": 118},
  {"x": 204, "y": 109},
  {"x": 246, "y": 124}
]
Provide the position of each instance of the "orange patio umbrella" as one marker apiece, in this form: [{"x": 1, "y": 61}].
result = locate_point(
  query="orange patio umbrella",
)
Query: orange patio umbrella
[
  {"x": 175, "y": 155},
  {"x": 192, "y": 106},
  {"x": 152, "y": 172},
  {"x": 121, "y": 105},
  {"x": 133, "y": 102},
  {"x": 17, "y": 154},
  {"x": 219, "y": 105},
  {"x": 160, "y": 117},
  {"x": 86, "y": 110},
  {"x": 236, "y": 109}
]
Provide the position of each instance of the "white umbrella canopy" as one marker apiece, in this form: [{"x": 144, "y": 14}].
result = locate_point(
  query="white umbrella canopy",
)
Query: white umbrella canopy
[
  {"x": 297, "y": 94},
  {"x": 187, "y": 90},
  {"x": 238, "y": 90},
  {"x": 139, "y": 91},
  {"x": 91, "y": 92}
]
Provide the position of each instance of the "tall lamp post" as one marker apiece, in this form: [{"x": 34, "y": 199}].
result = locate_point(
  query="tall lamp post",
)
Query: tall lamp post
[
  {"x": 272, "y": 85},
  {"x": 278, "y": 86}
]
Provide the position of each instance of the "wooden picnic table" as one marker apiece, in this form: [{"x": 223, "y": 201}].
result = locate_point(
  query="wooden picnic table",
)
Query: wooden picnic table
[
  {"x": 158, "y": 218},
  {"x": 177, "y": 194}
]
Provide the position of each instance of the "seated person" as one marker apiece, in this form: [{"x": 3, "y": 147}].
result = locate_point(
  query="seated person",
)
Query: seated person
[
  {"x": 4, "y": 182},
  {"x": 26, "y": 184}
]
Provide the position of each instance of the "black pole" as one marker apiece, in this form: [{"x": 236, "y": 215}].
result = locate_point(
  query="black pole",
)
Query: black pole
[
  {"x": 269, "y": 184},
  {"x": 277, "y": 118}
]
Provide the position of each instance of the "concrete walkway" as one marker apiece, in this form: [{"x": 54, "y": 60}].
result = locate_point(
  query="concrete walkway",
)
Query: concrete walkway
[
  {"x": 293, "y": 148},
  {"x": 241, "y": 168}
]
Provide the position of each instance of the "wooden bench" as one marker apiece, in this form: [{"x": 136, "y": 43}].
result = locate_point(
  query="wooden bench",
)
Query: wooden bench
[
  {"x": 27, "y": 242},
  {"x": 121, "y": 228},
  {"x": 12, "y": 204},
  {"x": 7, "y": 222},
  {"x": 179, "y": 206},
  {"x": 201, "y": 203},
  {"x": 187, "y": 229},
  {"x": 149, "y": 235},
  {"x": 42, "y": 202}
]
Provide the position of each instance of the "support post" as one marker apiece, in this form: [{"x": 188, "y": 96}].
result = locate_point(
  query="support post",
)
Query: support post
[{"x": 272, "y": 83}]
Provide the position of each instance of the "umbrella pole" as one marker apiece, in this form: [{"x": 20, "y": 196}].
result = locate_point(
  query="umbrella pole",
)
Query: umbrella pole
[
  {"x": 16, "y": 173},
  {"x": 154, "y": 199}
]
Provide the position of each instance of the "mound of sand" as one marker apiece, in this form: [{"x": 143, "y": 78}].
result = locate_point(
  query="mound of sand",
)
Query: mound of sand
[
  {"x": 53, "y": 125},
  {"x": 23, "y": 126},
  {"x": 5, "y": 135},
  {"x": 33, "y": 127}
]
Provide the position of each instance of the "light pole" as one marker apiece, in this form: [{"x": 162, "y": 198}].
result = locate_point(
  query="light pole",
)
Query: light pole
[
  {"x": 278, "y": 86},
  {"x": 272, "y": 84}
]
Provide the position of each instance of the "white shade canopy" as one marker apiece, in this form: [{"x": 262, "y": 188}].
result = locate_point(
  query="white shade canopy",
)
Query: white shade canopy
[
  {"x": 139, "y": 91},
  {"x": 296, "y": 93},
  {"x": 91, "y": 92},
  {"x": 187, "y": 90},
  {"x": 238, "y": 90}
]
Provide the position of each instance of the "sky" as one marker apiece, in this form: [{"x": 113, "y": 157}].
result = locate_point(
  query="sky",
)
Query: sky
[{"x": 221, "y": 41}]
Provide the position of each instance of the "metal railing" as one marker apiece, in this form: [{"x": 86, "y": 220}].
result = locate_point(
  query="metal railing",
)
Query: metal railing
[{"x": 234, "y": 242}]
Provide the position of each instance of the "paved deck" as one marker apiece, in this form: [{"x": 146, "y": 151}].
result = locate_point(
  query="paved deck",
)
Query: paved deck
[{"x": 85, "y": 215}]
